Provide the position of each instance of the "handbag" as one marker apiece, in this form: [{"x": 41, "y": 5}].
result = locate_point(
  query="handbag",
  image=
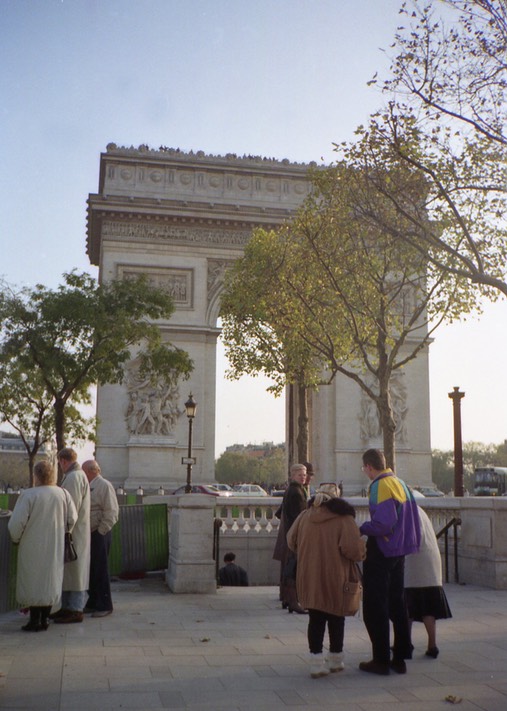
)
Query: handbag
[
  {"x": 352, "y": 591},
  {"x": 69, "y": 552}
]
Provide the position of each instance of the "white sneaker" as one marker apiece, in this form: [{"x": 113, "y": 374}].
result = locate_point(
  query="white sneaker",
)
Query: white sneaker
[
  {"x": 335, "y": 661},
  {"x": 318, "y": 666}
]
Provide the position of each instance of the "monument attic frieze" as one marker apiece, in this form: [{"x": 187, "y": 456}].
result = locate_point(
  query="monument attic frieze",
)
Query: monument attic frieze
[{"x": 193, "y": 174}]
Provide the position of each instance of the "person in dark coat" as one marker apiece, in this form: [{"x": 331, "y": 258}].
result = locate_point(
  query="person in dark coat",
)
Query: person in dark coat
[
  {"x": 294, "y": 501},
  {"x": 232, "y": 574}
]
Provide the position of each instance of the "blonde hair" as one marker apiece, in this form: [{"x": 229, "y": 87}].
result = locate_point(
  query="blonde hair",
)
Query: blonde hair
[
  {"x": 326, "y": 492},
  {"x": 45, "y": 473}
]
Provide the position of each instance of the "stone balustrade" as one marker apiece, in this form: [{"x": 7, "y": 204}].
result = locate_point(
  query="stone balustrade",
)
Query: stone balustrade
[{"x": 249, "y": 529}]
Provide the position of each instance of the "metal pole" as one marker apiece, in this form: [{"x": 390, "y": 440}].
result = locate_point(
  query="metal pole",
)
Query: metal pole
[
  {"x": 456, "y": 397},
  {"x": 188, "y": 487}
]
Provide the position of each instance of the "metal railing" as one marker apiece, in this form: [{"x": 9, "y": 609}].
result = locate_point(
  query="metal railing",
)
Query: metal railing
[{"x": 444, "y": 532}]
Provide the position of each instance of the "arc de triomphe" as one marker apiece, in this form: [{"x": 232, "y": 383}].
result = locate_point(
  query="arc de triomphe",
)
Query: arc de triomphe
[{"x": 182, "y": 219}]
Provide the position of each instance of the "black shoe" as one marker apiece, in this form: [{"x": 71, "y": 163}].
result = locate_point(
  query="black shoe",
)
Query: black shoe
[
  {"x": 399, "y": 666},
  {"x": 300, "y": 610},
  {"x": 60, "y": 613},
  {"x": 31, "y": 627},
  {"x": 407, "y": 655},
  {"x": 432, "y": 652},
  {"x": 374, "y": 667}
]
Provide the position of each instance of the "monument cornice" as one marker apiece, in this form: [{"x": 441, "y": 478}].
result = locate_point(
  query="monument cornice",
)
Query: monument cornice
[{"x": 229, "y": 160}]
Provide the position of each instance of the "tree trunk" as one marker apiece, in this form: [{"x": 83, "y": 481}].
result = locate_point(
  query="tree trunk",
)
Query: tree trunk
[
  {"x": 291, "y": 434},
  {"x": 59, "y": 408},
  {"x": 31, "y": 464},
  {"x": 387, "y": 425},
  {"x": 302, "y": 435}
]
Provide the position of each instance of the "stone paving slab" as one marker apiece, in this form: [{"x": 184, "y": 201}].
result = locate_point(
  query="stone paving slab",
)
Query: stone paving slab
[{"x": 239, "y": 651}]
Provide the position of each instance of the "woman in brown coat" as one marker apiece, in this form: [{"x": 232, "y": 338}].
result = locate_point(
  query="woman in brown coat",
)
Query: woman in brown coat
[{"x": 328, "y": 545}]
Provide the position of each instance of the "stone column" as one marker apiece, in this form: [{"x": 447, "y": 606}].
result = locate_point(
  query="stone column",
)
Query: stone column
[{"x": 191, "y": 566}]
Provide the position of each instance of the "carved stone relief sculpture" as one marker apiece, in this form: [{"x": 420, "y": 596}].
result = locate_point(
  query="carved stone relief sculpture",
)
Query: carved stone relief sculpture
[
  {"x": 176, "y": 282},
  {"x": 153, "y": 404}
]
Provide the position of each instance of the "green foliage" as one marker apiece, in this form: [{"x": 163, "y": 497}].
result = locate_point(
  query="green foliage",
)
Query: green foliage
[
  {"x": 83, "y": 333},
  {"x": 475, "y": 454},
  {"x": 337, "y": 290},
  {"x": 261, "y": 321},
  {"x": 242, "y": 467}
]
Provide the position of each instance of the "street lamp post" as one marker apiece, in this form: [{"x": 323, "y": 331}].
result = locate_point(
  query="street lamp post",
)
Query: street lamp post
[{"x": 190, "y": 407}]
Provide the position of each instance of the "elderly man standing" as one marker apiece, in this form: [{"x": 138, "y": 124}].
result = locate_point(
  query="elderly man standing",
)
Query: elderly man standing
[
  {"x": 75, "y": 574},
  {"x": 103, "y": 515}
]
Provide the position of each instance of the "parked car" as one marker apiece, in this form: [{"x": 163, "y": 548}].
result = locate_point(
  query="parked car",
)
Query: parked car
[
  {"x": 249, "y": 490},
  {"x": 430, "y": 491},
  {"x": 200, "y": 489},
  {"x": 222, "y": 488}
]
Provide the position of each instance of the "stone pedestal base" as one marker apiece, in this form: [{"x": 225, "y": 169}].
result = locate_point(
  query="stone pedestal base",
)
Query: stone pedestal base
[{"x": 191, "y": 566}]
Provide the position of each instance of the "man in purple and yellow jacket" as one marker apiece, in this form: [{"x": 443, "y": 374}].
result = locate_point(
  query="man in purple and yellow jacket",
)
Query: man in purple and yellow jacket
[{"x": 393, "y": 532}]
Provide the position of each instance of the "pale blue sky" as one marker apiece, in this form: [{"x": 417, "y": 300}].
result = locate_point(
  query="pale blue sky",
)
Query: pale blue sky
[{"x": 279, "y": 78}]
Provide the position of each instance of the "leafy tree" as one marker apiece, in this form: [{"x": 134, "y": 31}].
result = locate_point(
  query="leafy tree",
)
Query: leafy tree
[
  {"x": 83, "y": 333},
  {"x": 378, "y": 300},
  {"x": 442, "y": 469},
  {"x": 261, "y": 324},
  {"x": 337, "y": 291},
  {"x": 445, "y": 120},
  {"x": 235, "y": 467},
  {"x": 27, "y": 407},
  {"x": 475, "y": 454}
]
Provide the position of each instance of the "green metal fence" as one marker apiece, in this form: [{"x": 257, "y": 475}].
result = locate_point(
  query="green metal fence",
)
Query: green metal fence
[
  {"x": 140, "y": 543},
  {"x": 140, "y": 540}
]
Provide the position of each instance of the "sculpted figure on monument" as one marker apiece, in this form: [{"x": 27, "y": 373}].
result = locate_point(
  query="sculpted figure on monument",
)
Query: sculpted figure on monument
[{"x": 153, "y": 405}]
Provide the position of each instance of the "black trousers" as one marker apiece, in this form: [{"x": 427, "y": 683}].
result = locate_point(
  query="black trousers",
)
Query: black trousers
[
  {"x": 384, "y": 600},
  {"x": 316, "y": 629},
  {"x": 99, "y": 591}
]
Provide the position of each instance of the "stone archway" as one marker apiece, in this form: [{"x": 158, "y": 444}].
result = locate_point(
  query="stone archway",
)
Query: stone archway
[{"x": 181, "y": 219}]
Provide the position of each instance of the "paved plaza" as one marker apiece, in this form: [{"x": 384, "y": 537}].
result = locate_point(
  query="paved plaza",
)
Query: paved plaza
[{"x": 239, "y": 650}]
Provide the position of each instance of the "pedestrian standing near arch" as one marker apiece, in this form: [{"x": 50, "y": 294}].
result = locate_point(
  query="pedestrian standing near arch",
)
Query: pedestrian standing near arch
[
  {"x": 75, "y": 574},
  {"x": 393, "y": 532},
  {"x": 328, "y": 545},
  {"x": 104, "y": 512}
]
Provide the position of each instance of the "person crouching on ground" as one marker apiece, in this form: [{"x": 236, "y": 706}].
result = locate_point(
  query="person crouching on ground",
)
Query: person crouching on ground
[
  {"x": 231, "y": 573},
  {"x": 328, "y": 545}
]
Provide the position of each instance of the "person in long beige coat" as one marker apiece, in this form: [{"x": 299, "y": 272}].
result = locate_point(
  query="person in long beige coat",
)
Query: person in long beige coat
[
  {"x": 328, "y": 545},
  {"x": 76, "y": 574},
  {"x": 38, "y": 523}
]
